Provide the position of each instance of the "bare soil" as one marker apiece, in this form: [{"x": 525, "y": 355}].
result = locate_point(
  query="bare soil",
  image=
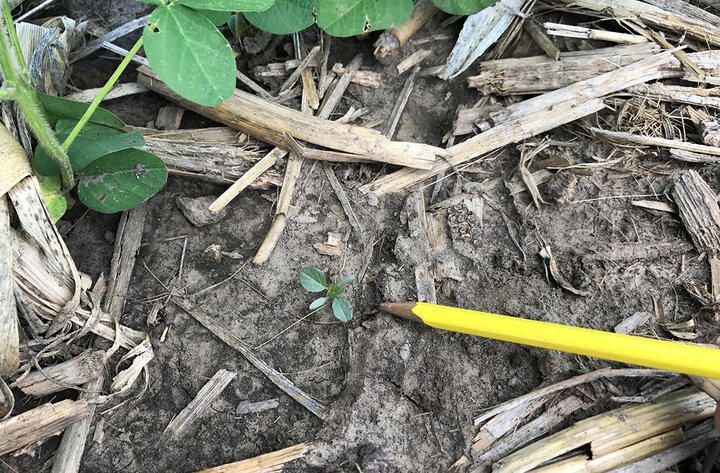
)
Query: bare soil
[{"x": 401, "y": 396}]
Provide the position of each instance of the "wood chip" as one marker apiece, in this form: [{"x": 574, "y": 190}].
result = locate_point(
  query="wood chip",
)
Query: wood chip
[{"x": 413, "y": 60}]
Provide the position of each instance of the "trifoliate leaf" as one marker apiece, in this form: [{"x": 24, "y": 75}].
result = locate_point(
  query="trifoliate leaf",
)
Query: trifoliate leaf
[
  {"x": 345, "y": 280},
  {"x": 229, "y": 5},
  {"x": 190, "y": 55},
  {"x": 58, "y": 107},
  {"x": 353, "y": 17},
  {"x": 463, "y": 7},
  {"x": 51, "y": 187},
  {"x": 217, "y": 18},
  {"x": 285, "y": 16}
]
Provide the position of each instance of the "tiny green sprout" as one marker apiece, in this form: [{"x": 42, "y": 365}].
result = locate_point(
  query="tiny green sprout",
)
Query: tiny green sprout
[{"x": 314, "y": 280}]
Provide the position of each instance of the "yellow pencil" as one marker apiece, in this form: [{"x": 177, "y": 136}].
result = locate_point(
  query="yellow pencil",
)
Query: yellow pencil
[{"x": 678, "y": 357}]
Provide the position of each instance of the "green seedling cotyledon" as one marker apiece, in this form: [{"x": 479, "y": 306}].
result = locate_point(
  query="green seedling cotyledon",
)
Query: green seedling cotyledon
[{"x": 314, "y": 280}]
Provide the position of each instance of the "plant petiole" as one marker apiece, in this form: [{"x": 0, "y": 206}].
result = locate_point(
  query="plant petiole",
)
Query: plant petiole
[{"x": 105, "y": 90}]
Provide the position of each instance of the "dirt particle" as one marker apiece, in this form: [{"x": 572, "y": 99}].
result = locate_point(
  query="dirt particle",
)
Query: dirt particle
[{"x": 140, "y": 170}]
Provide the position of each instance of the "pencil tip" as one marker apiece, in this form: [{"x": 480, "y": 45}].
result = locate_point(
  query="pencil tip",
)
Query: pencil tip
[{"x": 376, "y": 305}]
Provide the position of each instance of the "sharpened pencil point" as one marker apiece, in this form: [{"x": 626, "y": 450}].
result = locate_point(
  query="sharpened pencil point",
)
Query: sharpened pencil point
[{"x": 376, "y": 305}]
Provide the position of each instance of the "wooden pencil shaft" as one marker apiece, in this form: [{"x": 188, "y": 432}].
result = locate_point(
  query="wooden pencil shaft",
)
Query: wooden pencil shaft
[{"x": 681, "y": 358}]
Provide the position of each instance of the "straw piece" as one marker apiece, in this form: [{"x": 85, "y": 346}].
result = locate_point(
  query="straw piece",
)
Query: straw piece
[
  {"x": 395, "y": 37},
  {"x": 615, "y": 429},
  {"x": 9, "y": 336},
  {"x": 229, "y": 338},
  {"x": 74, "y": 372},
  {"x": 267, "y": 463},
  {"x": 197, "y": 407},
  {"x": 269, "y": 121},
  {"x": 40, "y": 423}
]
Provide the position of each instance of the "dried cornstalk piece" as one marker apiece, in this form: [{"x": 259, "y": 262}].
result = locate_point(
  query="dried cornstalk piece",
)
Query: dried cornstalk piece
[
  {"x": 9, "y": 337},
  {"x": 40, "y": 423},
  {"x": 268, "y": 463},
  {"x": 546, "y": 254},
  {"x": 392, "y": 39},
  {"x": 615, "y": 430},
  {"x": 700, "y": 214},
  {"x": 193, "y": 411},
  {"x": 571, "y": 31},
  {"x": 74, "y": 372}
]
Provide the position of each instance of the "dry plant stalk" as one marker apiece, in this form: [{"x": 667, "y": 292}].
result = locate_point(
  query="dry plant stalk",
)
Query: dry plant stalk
[
  {"x": 268, "y": 122},
  {"x": 394, "y": 38},
  {"x": 531, "y": 117},
  {"x": 645, "y": 13},
  {"x": 197, "y": 407},
  {"x": 615, "y": 429},
  {"x": 74, "y": 372},
  {"x": 267, "y": 463},
  {"x": 571, "y": 31},
  {"x": 9, "y": 336},
  {"x": 40, "y": 423}
]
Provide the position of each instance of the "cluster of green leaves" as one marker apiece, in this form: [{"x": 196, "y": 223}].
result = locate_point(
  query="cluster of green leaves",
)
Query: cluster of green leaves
[
  {"x": 314, "y": 280},
  {"x": 113, "y": 174},
  {"x": 188, "y": 52}
]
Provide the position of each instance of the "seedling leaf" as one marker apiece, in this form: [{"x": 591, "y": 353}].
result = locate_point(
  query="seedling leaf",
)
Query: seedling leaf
[
  {"x": 189, "y": 53},
  {"x": 352, "y": 17},
  {"x": 463, "y": 7},
  {"x": 229, "y": 5},
  {"x": 58, "y": 107},
  {"x": 121, "y": 180},
  {"x": 285, "y": 16},
  {"x": 93, "y": 142},
  {"x": 335, "y": 290},
  {"x": 313, "y": 279},
  {"x": 318, "y": 302},
  {"x": 342, "y": 309},
  {"x": 345, "y": 280},
  {"x": 217, "y": 18},
  {"x": 54, "y": 200}
]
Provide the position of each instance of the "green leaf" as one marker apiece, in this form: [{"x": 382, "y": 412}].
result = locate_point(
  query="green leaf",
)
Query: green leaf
[
  {"x": 229, "y": 5},
  {"x": 51, "y": 187},
  {"x": 352, "y": 17},
  {"x": 313, "y": 279},
  {"x": 318, "y": 302},
  {"x": 93, "y": 142},
  {"x": 342, "y": 309},
  {"x": 217, "y": 18},
  {"x": 285, "y": 17},
  {"x": 335, "y": 290},
  {"x": 190, "y": 55},
  {"x": 463, "y": 7},
  {"x": 345, "y": 280},
  {"x": 121, "y": 180},
  {"x": 58, "y": 107}
]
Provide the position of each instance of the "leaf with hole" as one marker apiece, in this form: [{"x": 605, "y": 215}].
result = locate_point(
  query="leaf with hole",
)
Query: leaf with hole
[
  {"x": 59, "y": 107},
  {"x": 342, "y": 309},
  {"x": 93, "y": 142},
  {"x": 318, "y": 302},
  {"x": 313, "y": 279},
  {"x": 190, "y": 55},
  {"x": 463, "y": 7},
  {"x": 121, "y": 180},
  {"x": 353, "y": 17},
  {"x": 285, "y": 16},
  {"x": 217, "y": 18},
  {"x": 51, "y": 189},
  {"x": 229, "y": 5},
  {"x": 345, "y": 280}
]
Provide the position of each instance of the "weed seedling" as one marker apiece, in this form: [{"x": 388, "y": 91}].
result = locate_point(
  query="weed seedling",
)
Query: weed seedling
[{"x": 314, "y": 280}]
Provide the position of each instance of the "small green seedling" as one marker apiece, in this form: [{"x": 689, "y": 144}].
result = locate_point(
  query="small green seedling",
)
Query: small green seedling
[{"x": 314, "y": 280}]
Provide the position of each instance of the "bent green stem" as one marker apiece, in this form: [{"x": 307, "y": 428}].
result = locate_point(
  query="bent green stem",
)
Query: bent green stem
[
  {"x": 17, "y": 78},
  {"x": 103, "y": 92}
]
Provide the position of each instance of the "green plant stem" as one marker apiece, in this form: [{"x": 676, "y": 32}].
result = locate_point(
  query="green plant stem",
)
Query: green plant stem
[
  {"x": 105, "y": 90},
  {"x": 17, "y": 77},
  {"x": 8, "y": 93}
]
